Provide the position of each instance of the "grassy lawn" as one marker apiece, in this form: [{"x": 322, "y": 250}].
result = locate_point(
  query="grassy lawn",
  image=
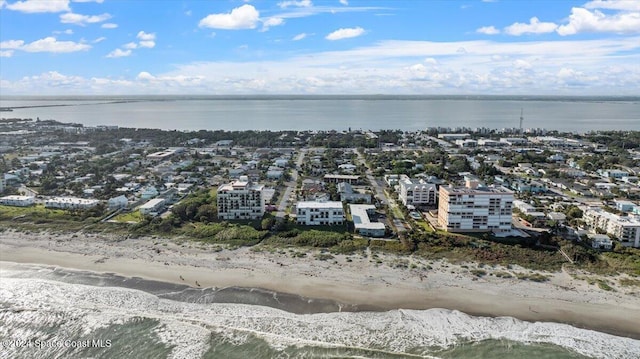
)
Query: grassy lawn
[
  {"x": 131, "y": 217},
  {"x": 424, "y": 225},
  {"x": 10, "y": 212}
]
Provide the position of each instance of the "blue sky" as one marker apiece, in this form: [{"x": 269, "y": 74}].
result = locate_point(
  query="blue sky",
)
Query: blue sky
[{"x": 70, "y": 47}]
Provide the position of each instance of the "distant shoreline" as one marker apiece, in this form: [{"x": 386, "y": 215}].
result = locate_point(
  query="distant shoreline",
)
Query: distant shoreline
[
  {"x": 195, "y": 97},
  {"x": 359, "y": 281}
]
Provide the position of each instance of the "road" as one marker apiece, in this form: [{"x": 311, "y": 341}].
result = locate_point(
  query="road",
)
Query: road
[
  {"x": 398, "y": 223},
  {"x": 290, "y": 186}
]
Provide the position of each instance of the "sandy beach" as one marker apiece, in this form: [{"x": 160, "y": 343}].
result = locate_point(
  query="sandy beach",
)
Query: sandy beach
[{"x": 381, "y": 280}]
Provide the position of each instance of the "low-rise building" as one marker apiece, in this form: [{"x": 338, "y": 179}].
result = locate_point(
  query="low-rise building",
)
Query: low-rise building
[
  {"x": 17, "y": 201},
  {"x": 149, "y": 192},
  {"x": 613, "y": 173},
  {"x": 319, "y": 213},
  {"x": 240, "y": 199},
  {"x": 70, "y": 203},
  {"x": 361, "y": 222},
  {"x": 152, "y": 206},
  {"x": 117, "y": 202},
  {"x": 347, "y": 194},
  {"x": 624, "y": 206},
  {"x": 625, "y": 228},
  {"x": 335, "y": 178},
  {"x": 417, "y": 192},
  {"x": 480, "y": 209},
  {"x": 600, "y": 241}
]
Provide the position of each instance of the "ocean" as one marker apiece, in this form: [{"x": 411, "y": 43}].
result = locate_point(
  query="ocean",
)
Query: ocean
[
  {"x": 48, "y": 312},
  {"x": 408, "y": 113}
]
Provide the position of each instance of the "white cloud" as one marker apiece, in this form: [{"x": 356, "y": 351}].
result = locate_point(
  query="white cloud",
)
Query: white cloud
[
  {"x": 488, "y": 30},
  {"x": 430, "y": 61},
  {"x": 11, "y": 44},
  {"x": 82, "y": 20},
  {"x": 48, "y": 44},
  {"x": 109, "y": 25},
  {"x": 6, "y": 53},
  {"x": 100, "y": 39},
  {"x": 270, "y": 22},
  {"x": 146, "y": 39},
  {"x": 119, "y": 53},
  {"x": 96, "y": 1},
  {"x": 521, "y": 64},
  {"x": 294, "y": 3},
  {"x": 149, "y": 44},
  {"x": 601, "y": 66},
  {"x": 66, "y": 32},
  {"x": 533, "y": 27},
  {"x": 299, "y": 37},
  {"x": 345, "y": 33},
  {"x": 131, "y": 45},
  {"x": 39, "y": 6},
  {"x": 243, "y": 17},
  {"x": 627, "y": 5},
  {"x": 344, "y": 2},
  {"x": 582, "y": 20},
  {"x": 146, "y": 36}
]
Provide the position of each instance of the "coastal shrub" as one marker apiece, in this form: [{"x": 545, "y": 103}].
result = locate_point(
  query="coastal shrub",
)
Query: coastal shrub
[
  {"x": 602, "y": 284},
  {"x": 315, "y": 238},
  {"x": 478, "y": 272},
  {"x": 628, "y": 282},
  {"x": 534, "y": 277},
  {"x": 244, "y": 235},
  {"x": 204, "y": 231},
  {"x": 323, "y": 256},
  {"x": 349, "y": 246},
  {"x": 503, "y": 275},
  {"x": 389, "y": 246}
]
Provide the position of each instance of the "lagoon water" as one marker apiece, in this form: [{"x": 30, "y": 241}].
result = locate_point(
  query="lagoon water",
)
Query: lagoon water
[
  {"x": 409, "y": 113},
  {"x": 159, "y": 320},
  {"x": 147, "y": 319}
]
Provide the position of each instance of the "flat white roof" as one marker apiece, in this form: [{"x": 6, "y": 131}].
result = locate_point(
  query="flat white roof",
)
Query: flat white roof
[
  {"x": 361, "y": 217},
  {"x": 17, "y": 198},
  {"x": 152, "y": 203},
  {"x": 314, "y": 204},
  {"x": 72, "y": 200}
]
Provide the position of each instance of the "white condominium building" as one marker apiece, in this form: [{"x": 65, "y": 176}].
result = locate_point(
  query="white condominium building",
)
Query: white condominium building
[
  {"x": 70, "y": 203},
  {"x": 319, "y": 213},
  {"x": 240, "y": 199},
  {"x": 417, "y": 192},
  {"x": 17, "y": 201},
  {"x": 481, "y": 209},
  {"x": 626, "y": 229}
]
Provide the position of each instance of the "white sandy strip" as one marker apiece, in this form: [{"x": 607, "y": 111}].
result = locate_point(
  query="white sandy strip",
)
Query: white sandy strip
[{"x": 359, "y": 281}]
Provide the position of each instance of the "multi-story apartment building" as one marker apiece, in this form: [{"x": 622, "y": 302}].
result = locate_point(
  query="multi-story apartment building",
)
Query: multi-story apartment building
[
  {"x": 240, "y": 199},
  {"x": 626, "y": 229},
  {"x": 480, "y": 209},
  {"x": 70, "y": 203},
  {"x": 319, "y": 213},
  {"x": 417, "y": 192}
]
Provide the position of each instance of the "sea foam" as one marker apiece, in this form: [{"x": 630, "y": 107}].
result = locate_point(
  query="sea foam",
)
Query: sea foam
[{"x": 187, "y": 327}]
